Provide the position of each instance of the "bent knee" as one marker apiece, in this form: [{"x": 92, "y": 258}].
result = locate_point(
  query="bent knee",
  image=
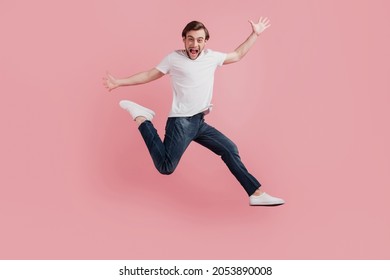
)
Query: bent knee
[
  {"x": 166, "y": 169},
  {"x": 234, "y": 149},
  {"x": 231, "y": 149}
]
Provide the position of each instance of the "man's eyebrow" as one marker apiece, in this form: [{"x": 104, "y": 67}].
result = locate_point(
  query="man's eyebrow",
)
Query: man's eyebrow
[{"x": 194, "y": 37}]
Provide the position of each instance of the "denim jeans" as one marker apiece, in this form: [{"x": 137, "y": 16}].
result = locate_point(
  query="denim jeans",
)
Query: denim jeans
[{"x": 180, "y": 132}]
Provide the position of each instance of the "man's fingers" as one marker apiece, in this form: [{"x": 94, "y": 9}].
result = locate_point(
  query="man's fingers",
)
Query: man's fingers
[
  {"x": 266, "y": 22},
  {"x": 109, "y": 76},
  {"x": 263, "y": 21}
]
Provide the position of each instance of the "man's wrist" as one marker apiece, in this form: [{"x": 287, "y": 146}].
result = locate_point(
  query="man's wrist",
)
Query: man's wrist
[
  {"x": 120, "y": 82},
  {"x": 256, "y": 34}
]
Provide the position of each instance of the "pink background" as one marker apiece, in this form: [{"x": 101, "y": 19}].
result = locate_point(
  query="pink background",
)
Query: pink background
[{"x": 308, "y": 108}]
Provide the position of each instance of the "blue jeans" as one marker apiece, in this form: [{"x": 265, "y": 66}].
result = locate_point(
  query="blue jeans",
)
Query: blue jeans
[{"x": 180, "y": 132}]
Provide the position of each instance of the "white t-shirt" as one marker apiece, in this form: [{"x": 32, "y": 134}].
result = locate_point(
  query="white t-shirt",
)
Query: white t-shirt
[{"x": 192, "y": 80}]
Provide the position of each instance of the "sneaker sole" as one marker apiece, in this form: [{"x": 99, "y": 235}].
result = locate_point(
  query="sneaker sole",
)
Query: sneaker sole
[{"x": 267, "y": 205}]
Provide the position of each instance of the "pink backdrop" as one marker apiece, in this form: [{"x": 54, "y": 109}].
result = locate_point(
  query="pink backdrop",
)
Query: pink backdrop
[{"x": 308, "y": 108}]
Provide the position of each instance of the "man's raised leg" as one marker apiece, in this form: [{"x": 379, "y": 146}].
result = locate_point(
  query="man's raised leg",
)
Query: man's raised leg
[{"x": 165, "y": 154}]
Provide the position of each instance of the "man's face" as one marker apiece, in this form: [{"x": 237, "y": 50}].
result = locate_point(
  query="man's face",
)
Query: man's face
[{"x": 194, "y": 43}]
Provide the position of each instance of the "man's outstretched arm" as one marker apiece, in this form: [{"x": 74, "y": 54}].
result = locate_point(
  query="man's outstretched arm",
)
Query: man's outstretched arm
[
  {"x": 110, "y": 82},
  {"x": 242, "y": 50}
]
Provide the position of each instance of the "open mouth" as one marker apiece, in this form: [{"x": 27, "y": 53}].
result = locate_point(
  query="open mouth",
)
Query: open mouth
[{"x": 193, "y": 51}]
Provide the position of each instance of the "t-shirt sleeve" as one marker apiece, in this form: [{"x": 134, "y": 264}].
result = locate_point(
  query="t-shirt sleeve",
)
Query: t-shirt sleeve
[
  {"x": 220, "y": 57},
  {"x": 165, "y": 65}
]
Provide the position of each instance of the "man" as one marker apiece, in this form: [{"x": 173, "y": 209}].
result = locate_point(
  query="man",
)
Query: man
[{"x": 192, "y": 76}]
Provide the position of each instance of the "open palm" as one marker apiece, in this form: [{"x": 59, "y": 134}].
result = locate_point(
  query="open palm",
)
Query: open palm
[{"x": 260, "y": 26}]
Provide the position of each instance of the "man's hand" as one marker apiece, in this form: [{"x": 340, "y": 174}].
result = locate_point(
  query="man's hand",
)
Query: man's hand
[
  {"x": 110, "y": 82},
  {"x": 259, "y": 27},
  {"x": 242, "y": 50}
]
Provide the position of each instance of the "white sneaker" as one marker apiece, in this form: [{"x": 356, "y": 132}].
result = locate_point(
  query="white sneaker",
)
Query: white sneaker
[
  {"x": 264, "y": 200},
  {"x": 136, "y": 110}
]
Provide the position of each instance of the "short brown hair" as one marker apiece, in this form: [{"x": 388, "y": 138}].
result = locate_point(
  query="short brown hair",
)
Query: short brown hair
[{"x": 195, "y": 25}]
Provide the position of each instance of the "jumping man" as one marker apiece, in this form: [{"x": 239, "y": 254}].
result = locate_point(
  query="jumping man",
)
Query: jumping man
[{"x": 192, "y": 76}]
